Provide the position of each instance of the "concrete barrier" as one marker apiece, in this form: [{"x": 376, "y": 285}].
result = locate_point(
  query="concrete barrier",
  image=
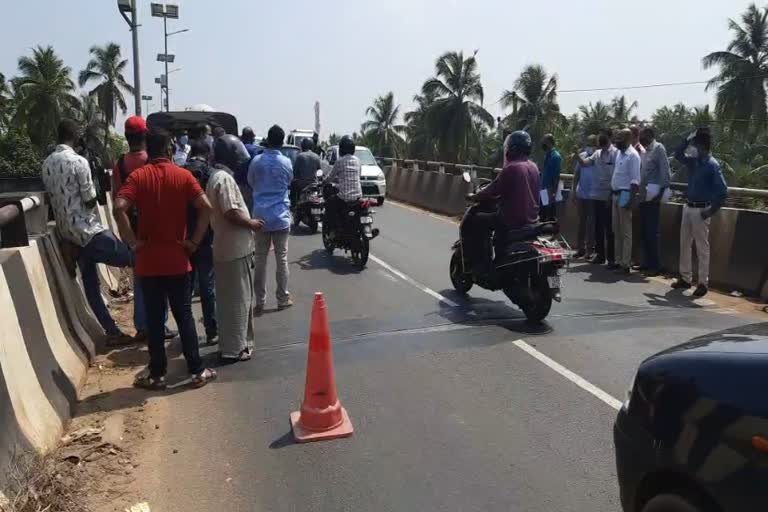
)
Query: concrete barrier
[{"x": 44, "y": 351}]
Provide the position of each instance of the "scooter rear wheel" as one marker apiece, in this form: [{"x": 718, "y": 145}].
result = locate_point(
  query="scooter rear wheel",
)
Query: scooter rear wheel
[
  {"x": 538, "y": 309},
  {"x": 327, "y": 241},
  {"x": 360, "y": 254},
  {"x": 312, "y": 223},
  {"x": 462, "y": 282}
]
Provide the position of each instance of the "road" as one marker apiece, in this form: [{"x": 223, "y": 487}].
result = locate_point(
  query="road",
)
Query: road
[{"x": 457, "y": 404}]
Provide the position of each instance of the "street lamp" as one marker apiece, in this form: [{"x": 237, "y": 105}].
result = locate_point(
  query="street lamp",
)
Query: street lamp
[
  {"x": 166, "y": 11},
  {"x": 125, "y": 7}
]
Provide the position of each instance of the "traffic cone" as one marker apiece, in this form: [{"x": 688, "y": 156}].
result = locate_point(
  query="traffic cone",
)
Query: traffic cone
[{"x": 321, "y": 416}]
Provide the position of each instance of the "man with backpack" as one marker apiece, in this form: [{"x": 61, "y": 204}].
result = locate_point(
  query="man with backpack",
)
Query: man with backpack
[
  {"x": 202, "y": 258},
  {"x": 136, "y": 135}
]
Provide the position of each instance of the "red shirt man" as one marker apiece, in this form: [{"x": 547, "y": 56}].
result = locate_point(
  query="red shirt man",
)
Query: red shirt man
[{"x": 135, "y": 134}]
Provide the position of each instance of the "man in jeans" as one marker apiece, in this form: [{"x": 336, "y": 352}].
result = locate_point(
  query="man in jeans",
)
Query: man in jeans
[
  {"x": 202, "y": 259},
  {"x": 706, "y": 193},
  {"x": 67, "y": 179},
  {"x": 162, "y": 192},
  {"x": 270, "y": 175},
  {"x": 654, "y": 181}
]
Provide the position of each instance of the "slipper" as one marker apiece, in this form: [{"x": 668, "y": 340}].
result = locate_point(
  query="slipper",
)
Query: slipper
[
  {"x": 244, "y": 355},
  {"x": 145, "y": 381}
]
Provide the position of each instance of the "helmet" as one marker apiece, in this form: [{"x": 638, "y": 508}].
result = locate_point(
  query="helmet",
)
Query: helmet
[
  {"x": 307, "y": 144},
  {"x": 346, "y": 146},
  {"x": 229, "y": 150},
  {"x": 518, "y": 141}
]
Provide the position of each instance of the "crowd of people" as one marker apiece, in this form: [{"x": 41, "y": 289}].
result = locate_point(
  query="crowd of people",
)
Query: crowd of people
[
  {"x": 194, "y": 210},
  {"x": 618, "y": 174}
]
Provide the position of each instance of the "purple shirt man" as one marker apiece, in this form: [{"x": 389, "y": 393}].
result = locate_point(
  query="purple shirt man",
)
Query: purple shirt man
[{"x": 518, "y": 185}]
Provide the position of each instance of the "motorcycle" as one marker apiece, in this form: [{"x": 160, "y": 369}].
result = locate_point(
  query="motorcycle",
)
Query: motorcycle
[
  {"x": 353, "y": 227},
  {"x": 310, "y": 206},
  {"x": 526, "y": 264}
]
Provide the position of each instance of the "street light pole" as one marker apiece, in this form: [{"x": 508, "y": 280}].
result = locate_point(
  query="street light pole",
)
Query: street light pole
[
  {"x": 165, "y": 34},
  {"x": 126, "y": 6}
]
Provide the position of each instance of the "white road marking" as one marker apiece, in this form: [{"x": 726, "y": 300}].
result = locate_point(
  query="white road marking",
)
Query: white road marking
[
  {"x": 522, "y": 345},
  {"x": 407, "y": 279},
  {"x": 568, "y": 374}
]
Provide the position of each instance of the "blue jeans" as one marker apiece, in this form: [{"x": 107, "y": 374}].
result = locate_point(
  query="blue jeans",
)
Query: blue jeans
[
  {"x": 140, "y": 307},
  {"x": 202, "y": 271},
  {"x": 158, "y": 292},
  {"x": 107, "y": 249}
]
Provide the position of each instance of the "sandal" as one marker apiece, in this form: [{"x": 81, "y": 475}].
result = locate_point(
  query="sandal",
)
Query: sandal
[
  {"x": 201, "y": 379},
  {"x": 244, "y": 355},
  {"x": 145, "y": 381}
]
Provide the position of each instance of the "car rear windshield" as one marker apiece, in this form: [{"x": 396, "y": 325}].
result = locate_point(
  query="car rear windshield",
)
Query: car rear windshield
[{"x": 365, "y": 156}]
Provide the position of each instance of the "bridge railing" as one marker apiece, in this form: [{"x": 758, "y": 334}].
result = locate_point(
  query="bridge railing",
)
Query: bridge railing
[{"x": 13, "y": 225}]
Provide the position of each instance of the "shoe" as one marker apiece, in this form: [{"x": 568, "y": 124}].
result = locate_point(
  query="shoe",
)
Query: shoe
[
  {"x": 259, "y": 309},
  {"x": 580, "y": 254},
  {"x": 700, "y": 291},
  {"x": 640, "y": 268},
  {"x": 144, "y": 381},
  {"x": 597, "y": 260},
  {"x": 118, "y": 340},
  {"x": 681, "y": 284},
  {"x": 623, "y": 270},
  {"x": 612, "y": 266},
  {"x": 170, "y": 334},
  {"x": 204, "y": 377},
  {"x": 285, "y": 305},
  {"x": 212, "y": 340},
  {"x": 651, "y": 273}
]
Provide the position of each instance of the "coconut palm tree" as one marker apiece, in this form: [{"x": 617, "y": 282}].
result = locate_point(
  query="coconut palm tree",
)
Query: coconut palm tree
[
  {"x": 382, "y": 129},
  {"x": 457, "y": 109},
  {"x": 5, "y": 104},
  {"x": 621, "y": 110},
  {"x": 421, "y": 143},
  {"x": 106, "y": 67},
  {"x": 740, "y": 84},
  {"x": 595, "y": 117},
  {"x": 91, "y": 119},
  {"x": 43, "y": 94},
  {"x": 534, "y": 102}
]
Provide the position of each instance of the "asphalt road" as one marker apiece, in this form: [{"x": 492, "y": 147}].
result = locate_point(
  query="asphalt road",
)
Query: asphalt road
[{"x": 456, "y": 404}]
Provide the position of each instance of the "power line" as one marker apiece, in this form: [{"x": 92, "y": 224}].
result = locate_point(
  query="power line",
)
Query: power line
[{"x": 630, "y": 87}]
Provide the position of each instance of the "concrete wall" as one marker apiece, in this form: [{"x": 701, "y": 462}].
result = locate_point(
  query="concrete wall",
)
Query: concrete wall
[
  {"x": 46, "y": 346},
  {"x": 738, "y": 261}
]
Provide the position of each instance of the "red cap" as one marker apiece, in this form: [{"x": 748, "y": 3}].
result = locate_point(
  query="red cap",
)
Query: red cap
[{"x": 135, "y": 125}]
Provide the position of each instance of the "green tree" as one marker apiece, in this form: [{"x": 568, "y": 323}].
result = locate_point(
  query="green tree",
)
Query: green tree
[
  {"x": 106, "y": 67},
  {"x": 534, "y": 102},
  {"x": 6, "y": 108},
  {"x": 621, "y": 110},
  {"x": 44, "y": 94},
  {"x": 740, "y": 84},
  {"x": 421, "y": 142},
  {"x": 382, "y": 129},
  {"x": 457, "y": 111},
  {"x": 595, "y": 117},
  {"x": 333, "y": 139},
  {"x": 18, "y": 157},
  {"x": 91, "y": 120}
]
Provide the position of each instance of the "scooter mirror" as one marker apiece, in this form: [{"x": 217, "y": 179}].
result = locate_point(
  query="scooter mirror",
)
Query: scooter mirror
[{"x": 467, "y": 178}]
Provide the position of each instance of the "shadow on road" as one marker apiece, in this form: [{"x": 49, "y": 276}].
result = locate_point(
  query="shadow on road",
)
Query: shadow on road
[
  {"x": 600, "y": 274},
  {"x": 283, "y": 441},
  {"x": 320, "y": 259},
  {"x": 479, "y": 311}
]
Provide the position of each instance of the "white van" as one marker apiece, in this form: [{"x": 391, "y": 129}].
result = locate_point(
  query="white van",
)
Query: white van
[
  {"x": 296, "y": 136},
  {"x": 372, "y": 177}
]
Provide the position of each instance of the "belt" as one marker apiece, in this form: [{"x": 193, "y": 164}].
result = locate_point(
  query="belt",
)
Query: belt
[
  {"x": 704, "y": 204},
  {"x": 617, "y": 192}
]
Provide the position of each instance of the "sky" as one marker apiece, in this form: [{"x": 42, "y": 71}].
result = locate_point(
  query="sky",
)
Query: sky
[{"x": 268, "y": 62}]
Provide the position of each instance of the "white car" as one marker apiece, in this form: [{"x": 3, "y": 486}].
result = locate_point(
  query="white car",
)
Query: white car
[{"x": 372, "y": 177}]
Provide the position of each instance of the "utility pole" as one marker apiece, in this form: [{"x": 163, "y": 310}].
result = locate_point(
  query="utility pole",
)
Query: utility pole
[
  {"x": 125, "y": 7},
  {"x": 165, "y": 33}
]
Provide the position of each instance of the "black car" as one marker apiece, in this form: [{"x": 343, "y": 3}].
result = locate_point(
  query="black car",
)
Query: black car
[{"x": 693, "y": 434}]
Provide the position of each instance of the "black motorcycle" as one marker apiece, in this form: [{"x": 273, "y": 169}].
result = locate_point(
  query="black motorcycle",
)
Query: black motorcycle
[
  {"x": 525, "y": 264},
  {"x": 352, "y": 230},
  {"x": 309, "y": 207}
]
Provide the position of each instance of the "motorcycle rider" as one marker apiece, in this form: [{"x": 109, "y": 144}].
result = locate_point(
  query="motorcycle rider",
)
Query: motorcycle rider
[
  {"x": 304, "y": 169},
  {"x": 517, "y": 189},
  {"x": 346, "y": 176}
]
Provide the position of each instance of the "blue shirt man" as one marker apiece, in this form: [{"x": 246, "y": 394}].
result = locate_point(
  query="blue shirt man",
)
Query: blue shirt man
[
  {"x": 706, "y": 183},
  {"x": 553, "y": 163},
  {"x": 270, "y": 175}
]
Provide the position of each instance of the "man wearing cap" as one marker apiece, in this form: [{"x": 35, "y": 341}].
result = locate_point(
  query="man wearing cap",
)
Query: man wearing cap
[
  {"x": 705, "y": 194},
  {"x": 136, "y": 135},
  {"x": 67, "y": 179}
]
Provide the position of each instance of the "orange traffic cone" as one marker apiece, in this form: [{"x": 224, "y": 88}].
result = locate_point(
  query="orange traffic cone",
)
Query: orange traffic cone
[{"x": 321, "y": 416}]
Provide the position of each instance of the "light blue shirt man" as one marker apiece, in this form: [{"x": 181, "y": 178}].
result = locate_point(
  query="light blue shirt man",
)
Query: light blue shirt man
[{"x": 270, "y": 175}]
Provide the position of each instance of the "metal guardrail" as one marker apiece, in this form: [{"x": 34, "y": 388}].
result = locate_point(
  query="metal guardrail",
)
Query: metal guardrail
[
  {"x": 733, "y": 192},
  {"x": 13, "y": 227}
]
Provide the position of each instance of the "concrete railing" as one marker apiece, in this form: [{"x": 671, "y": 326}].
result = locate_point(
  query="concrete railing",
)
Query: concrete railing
[{"x": 739, "y": 260}]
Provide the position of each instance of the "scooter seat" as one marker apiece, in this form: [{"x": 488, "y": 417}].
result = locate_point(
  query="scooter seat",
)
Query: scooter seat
[{"x": 508, "y": 236}]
